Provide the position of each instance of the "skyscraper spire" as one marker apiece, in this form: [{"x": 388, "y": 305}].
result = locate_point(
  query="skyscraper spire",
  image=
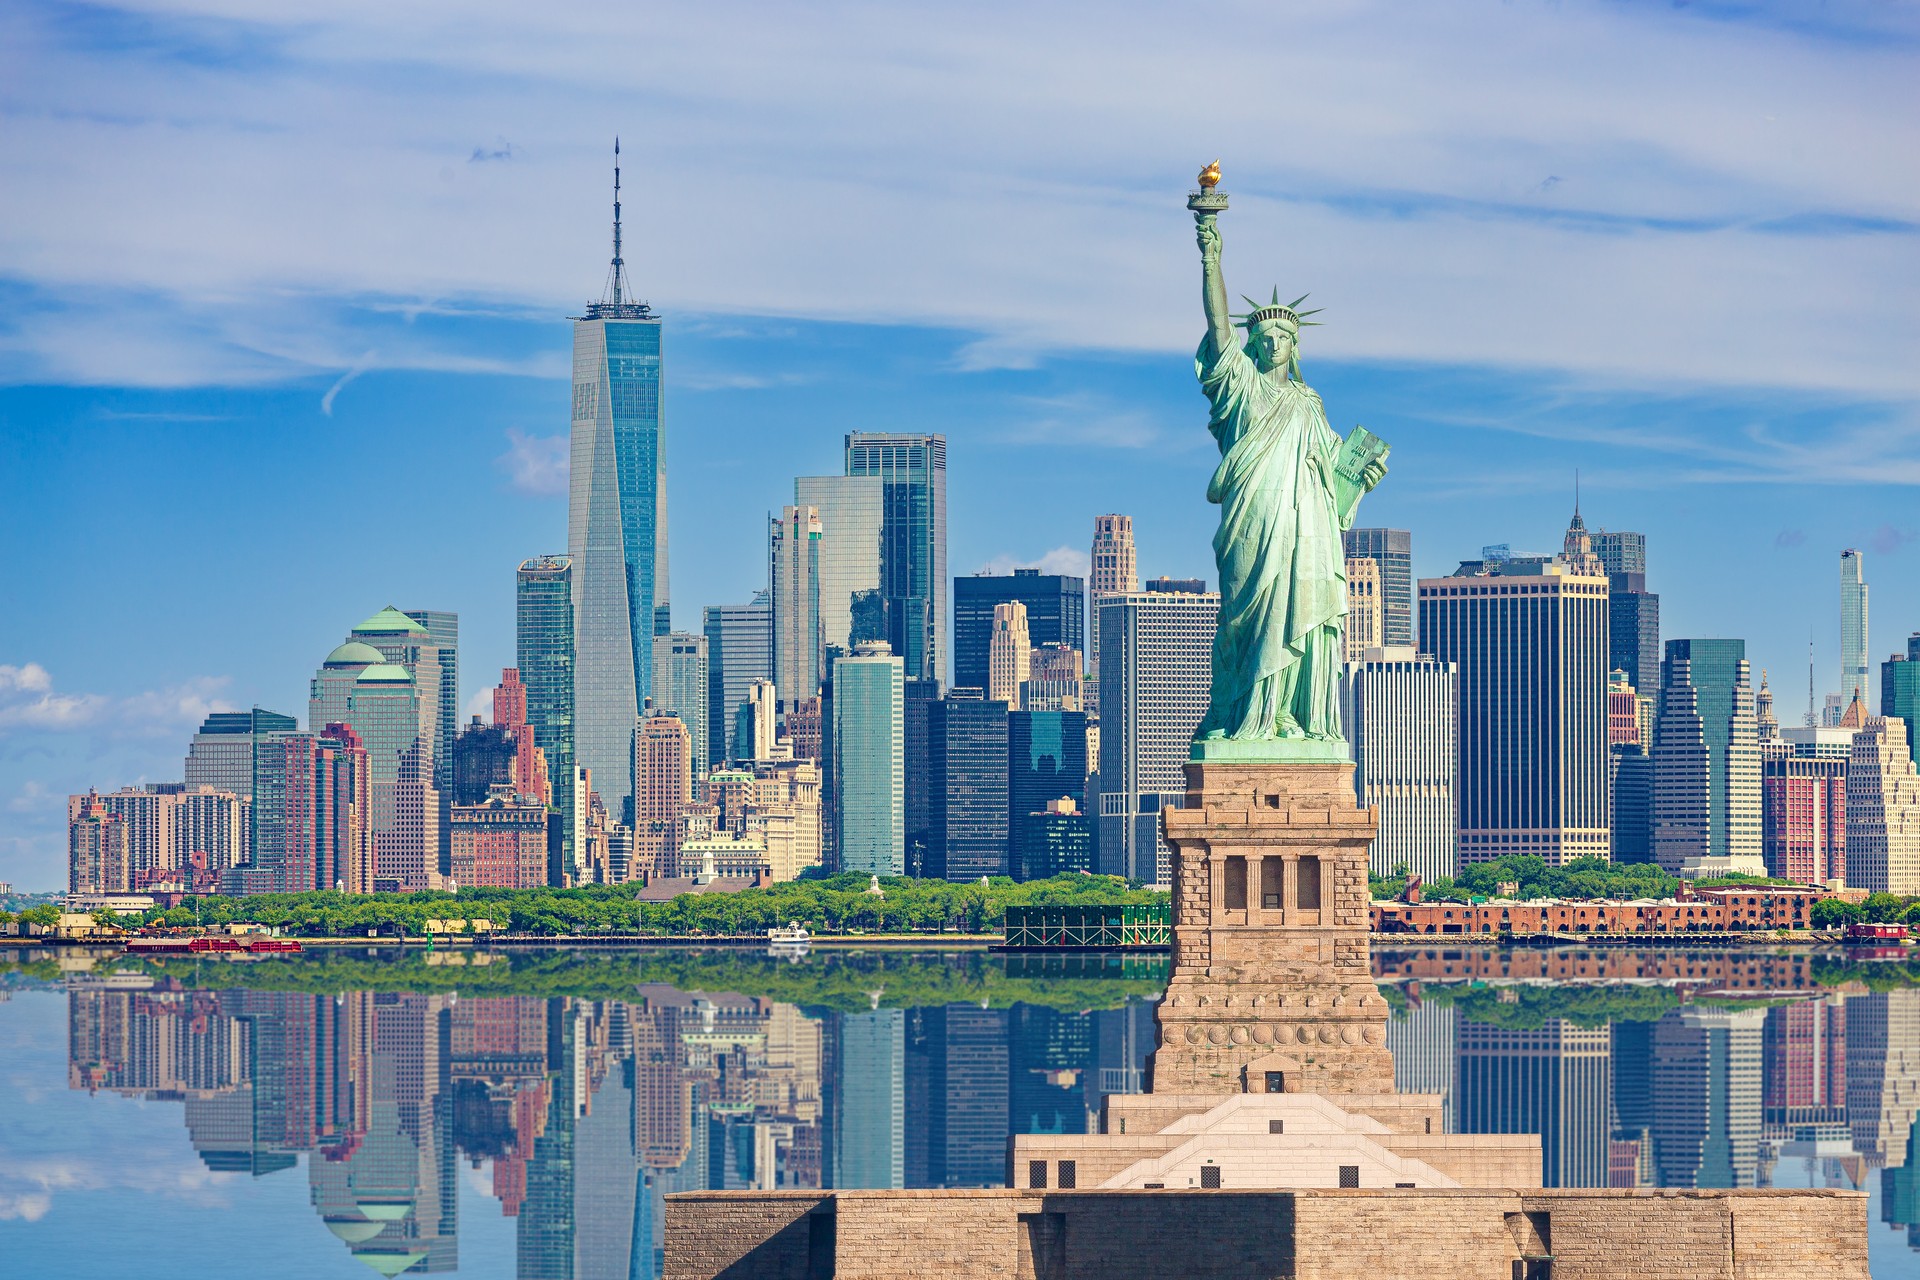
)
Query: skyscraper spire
[{"x": 617, "y": 276}]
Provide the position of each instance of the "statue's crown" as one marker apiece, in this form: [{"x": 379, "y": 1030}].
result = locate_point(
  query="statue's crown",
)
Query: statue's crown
[{"x": 1277, "y": 310}]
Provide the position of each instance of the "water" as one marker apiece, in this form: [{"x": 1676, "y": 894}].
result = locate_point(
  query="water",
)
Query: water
[{"x": 318, "y": 1115}]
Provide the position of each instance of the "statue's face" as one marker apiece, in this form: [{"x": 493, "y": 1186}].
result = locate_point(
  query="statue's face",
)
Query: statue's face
[{"x": 1273, "y": 346}]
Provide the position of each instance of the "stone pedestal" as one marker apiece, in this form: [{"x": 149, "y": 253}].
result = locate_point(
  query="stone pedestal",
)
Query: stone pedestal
[{"x": 1272, "y": 988}]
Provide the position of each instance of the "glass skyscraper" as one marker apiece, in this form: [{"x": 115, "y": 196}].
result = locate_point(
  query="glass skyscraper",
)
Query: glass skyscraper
[
  {"x": 739, "y": 652},
  {"x": 1056, "y": 614},
  {"x": 850, "y": 510},
  {"x": 869, "y": 790},
  {"x": 967, "y": 788},
  {"x": 616, "y": 525},
  {"x": 913, "y": 541},
  {"x": 680, "y": 687},
  {"x": 1392, "y": 550},
  {"x": 1046, "y": 761},
  {"x": 543, "y": 652}
]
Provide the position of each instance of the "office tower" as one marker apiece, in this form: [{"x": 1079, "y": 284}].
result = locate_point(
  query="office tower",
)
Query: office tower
[
  {"x": 1425, "y": 1043},
  {"x": 1177, "y": 586},
  {"x": 1630, "y": 777},
  {"x": 967, "y": 819},
  {"x": 1531, "y": 651},
  {"x": 1054, "y": 680},
  {"x": 739, "y": 652},
  {"x": 530, "y": 776},
  {"x": 543, "y": 655},
  {"x": 662, "y": 786},
  {"x": 963, "y": 1059},
  {"x": 1055, "y": 605},
  {"x": 1398, "y": 707},
  {"x": 314, "y": 797},
  {"x": 793, "y": 580},
  {"x": 680, "y": 664},
  {"x": 499, "y": 842},
  {"x": 757, "y": 725},
  {"x": 1803, "y": 1073},
  {"x": 913, "y": 541},
  {"x": 852, "y": 513},
  {"x": 1046, "y": 763},
  {"x": 1623, "y": 711},
  {"x": 1156, "y": 659},
  {"x": 1900, "y": 690},
  {"x": 1554, "y": 1080},
  {"x": 869, "y": 790},
  {"x": 1883, "y": 1071},
  {"x": 396, "y": 716},
  {"x": 97, "y": 849},
  {"x": 1803, "y": 803},
  {"x": 1113, "y": 569},
  {"x": 1883, "y": 810},
  {"x": 1853, "y": 629},
  {"x": 918, "y": 697},
  {"x": 443, "y": 629},
  {"x": 1010, "y": 653},
  {"x": 1633, "y": 633},
  {"x": 1392, "y": 551},
  {"x": 222, "y": 755},
  {"x": 616, "y": 523},
  {"x": 1706, "y": 1097},
  {"x": 1706, "y": 762},
  {"x": 1365, "y": 621},
  {"x": 483, "y": 758},
  {"x": 866, "y": 1056}
]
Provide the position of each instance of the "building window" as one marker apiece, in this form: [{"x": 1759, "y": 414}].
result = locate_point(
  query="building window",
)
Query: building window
[
  {"x": 1307, "y": 882},
  {"x": 1276, "y": 1126},
  {"x": 1236, "y": 893},
  {"x": 1067, "y": 1175},
  {"x": 1272, "y": 876},
  {"x": 1210, "y": 1176},
  {"x": 1276, "y": 1082},
  {"x": 1036, "y": 1173},
  {"x": 1349, "y": 1175}
]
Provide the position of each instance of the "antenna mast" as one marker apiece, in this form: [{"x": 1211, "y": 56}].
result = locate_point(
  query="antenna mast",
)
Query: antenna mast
[{"x": 1812, "y": 721}]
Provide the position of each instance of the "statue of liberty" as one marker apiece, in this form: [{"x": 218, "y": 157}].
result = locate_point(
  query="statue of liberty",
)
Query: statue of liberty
[{"x": 1288, "y": 487}]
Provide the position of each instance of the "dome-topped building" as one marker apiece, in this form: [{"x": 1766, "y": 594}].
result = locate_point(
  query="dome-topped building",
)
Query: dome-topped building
[{"x": 354, "y": 653}]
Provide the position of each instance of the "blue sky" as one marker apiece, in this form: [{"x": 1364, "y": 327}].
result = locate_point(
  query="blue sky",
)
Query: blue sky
[{"x": 283, "y": 300}]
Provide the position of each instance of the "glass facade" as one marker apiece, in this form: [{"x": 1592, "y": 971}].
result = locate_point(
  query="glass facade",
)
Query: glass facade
[
  {"x": 543, "y": 653},
  {"x": 793, "y": 571},
  {"x": 739, "y": 652},
  {"x": 616, "y": 535},
  {"x": 1392, "y": 550},
  {"x": 1900, "y": 691},
  {"x": 1046, "y": 761},
  {"x": 680, "y": 688},
  {"x": 913, "y": 540},
  {"x": 1706, "y": 757},
  {"x": 868, "y": 762},
  {"x": 1056, "y": 614},
  {"x": 851, "y": 509},
  {"x": 967, "y": 792}
]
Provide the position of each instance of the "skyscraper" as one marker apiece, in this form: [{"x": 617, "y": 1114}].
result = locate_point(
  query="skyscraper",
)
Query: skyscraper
[
  {"x": 1046, "y": 763},
  {"x": 739, "y": 652},
  {"x": 430, "y": 652},
  {"x": 616, "y": 522},
  {"x": 1392, "y": 550},
  {"x": 1853, "y": 629},
  {"x": 680, "y": 688},
  {"x": 967, "y": 792},
  {"x": 1113, "y": 569},
  {"x": 1531, "y": 650},
  {"x": 1900, "y": 690},
  {"x": 852, "y": 510},
  {"x": 1554, "y": 1080},
  {"x": 1156, "y": 656},
  {"x": 97, "y": 850},
  {"x": 662, "y": 786},
  {"x": 443, "y": 629},
  {"x": 793, "y": 579},
  {"x": 224, "y": 755},
  {"x": 315, "y": 796},
  {"x": 1803, "y": 810},
  {"x": 1883, "y": 810},
  {"x": 913, "y": 540},
  {"x": 1054, "y": 604},
  {"x": 1398, "y": 708},
  {"x": 1633, "y": 630},
  {"x": 1706, "y": 762},
  {"x": 1009, "y": 653},
  {"x": 530, "y": 775},
  {"x": 869, "y": 784},
  {"x": 1365, "y": 621}
]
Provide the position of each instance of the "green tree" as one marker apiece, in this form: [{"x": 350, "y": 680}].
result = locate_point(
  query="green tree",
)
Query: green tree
[
  {"x": 1883, "y": 907},
  {"x": 1834, "y": 913}
]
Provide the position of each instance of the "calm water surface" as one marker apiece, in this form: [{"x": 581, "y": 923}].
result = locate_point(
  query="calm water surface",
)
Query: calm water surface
[{"x": 324, "y": 1114}]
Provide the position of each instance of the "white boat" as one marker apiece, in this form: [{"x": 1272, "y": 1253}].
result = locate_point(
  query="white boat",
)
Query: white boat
[{"x": 792, "y": 941}]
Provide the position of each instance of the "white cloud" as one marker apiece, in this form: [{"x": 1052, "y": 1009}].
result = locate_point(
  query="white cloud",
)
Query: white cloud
[
  {"x": 1620, "y": 191},
  {"x": 1074, "y": 561},
  {"x": 29, "y": 702},
  {"x": 536, "y": 464},
  {"x": 479, "y": 704},
  {"x": 29, "y": 1184}
]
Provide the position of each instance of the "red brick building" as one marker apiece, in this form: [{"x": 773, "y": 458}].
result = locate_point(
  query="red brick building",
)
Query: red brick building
[{"x": 1708, "y": 911}]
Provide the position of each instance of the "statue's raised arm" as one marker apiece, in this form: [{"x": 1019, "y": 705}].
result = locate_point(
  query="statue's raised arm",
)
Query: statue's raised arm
[{"x": 1213, "y": 287}]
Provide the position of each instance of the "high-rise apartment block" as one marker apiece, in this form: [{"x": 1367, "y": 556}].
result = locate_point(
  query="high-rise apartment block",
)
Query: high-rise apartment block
[
  {"x": 1883, "y": 809},
  {"x": 739, "y": 653},
  {"x": 1853, "y": 629},
  {"x": 662, "y": 787},
  {"x": 1365, "y": 622},
  {"x": 97, "y": 860},
  {"x": 793, "y": 579},
  {"x": 869, "y": 790},
  {"x": 913, "y": 541},
  {"x": 1046, "y": 764},
  {"x": 680, "y": 673},
  {"x": 852, "y": 514},
  {"x": 1900, "y": 689},
  {"x": 315, "y": 795},
  {"x": 1392, "y": 551},
  {"x": 1706, "y": 762},
  {"x": 967, "y": 788},
  {"x": 1156, "y": 656},
  {"x": 1009, "y": 653},
  {"x": 1531, "y": 652},
  {"x": 1054, "y": 603},
  {"x": 1399, "y": 710},
  {"x": 1803, "y": 810},
  {"x": 499, "y": 842},
  {"x": 616, "y": 523}
]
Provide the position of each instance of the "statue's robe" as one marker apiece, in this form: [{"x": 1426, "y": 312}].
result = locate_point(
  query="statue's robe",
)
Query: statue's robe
[{"x": 1283, "y": 580}]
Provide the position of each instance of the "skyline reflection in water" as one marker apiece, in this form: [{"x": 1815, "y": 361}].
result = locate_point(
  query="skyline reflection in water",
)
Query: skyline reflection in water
[{"x": 524, "y": 1117}]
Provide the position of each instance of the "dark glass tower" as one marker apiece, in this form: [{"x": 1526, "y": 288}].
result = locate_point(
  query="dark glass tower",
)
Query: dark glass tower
[
  {"x": 967, "y": 789},
  {"x": 1056, "y": 614},
  {"x": 1046, "y": 760},
  {"x": 1392, "y": 550},
  {"x": 913, "y": 540},
  {"x": 739, "y": 651}
]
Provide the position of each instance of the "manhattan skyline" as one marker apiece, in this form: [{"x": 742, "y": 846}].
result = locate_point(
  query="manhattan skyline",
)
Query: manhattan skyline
[{"x": 223, "y": 468}]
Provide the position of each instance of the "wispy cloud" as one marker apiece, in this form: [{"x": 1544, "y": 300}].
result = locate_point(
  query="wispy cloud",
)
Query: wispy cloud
[
  {"x": 29, "y": 702},
  {"x": 1078, "y": 418},
  {"x": 536, "y": 464},
  {"x": 29, "y": 1184},
  {"x": 1068, "y": 560},
  {"x": 360, "y": 366}
]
